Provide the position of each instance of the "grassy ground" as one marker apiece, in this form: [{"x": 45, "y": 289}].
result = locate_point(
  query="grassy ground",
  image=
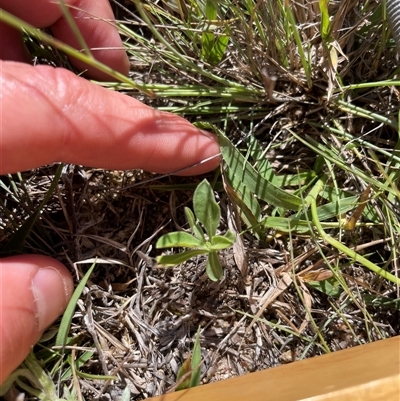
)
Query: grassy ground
[{"x": 307, "y": 95}]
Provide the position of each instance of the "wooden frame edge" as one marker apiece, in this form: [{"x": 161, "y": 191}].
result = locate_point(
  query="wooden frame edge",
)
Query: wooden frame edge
[{"x": 368, "y": 372}]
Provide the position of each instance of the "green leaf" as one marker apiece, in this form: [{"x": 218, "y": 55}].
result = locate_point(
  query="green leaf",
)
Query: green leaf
[
  {"x": 69, "y": 312},
  {"x": 301, "y": 222},
  {"x": 214, "y": 47},
  {"x": 178, "y": 258},
  {"x": 221, "y": 242},
  {"x": 248, "y": 206},
  {"x": 190, "y": 218},
  {"x": 211, "y": 9},
  {"x": 287, "y": 224},
  {"x": 240, "y": 172},
  {"x": 231, "y": 236},
  {"x": 325, "y": 23},
  {"x": 126, "y": 395},
  {"x": 351, "y": 253},
  {"x": 196, "y": 361},
  {"x": 26, "y": 373},
  {"x": 79, "y": 362},
  {"x": 329, "y": 287},
  {"x": 196, "y": 229},
  {"x": 206, "y": 208},
  {"x": 382, "y": 302},
  {"x": 191, "y": 367},
  {"x": 184, "y": 370},
  {"x": 179, "y": 239},
  {"x": 46, "y": 384},
  {"x": 332, "y": 209},
  {"x": 214, "y": 268},
  {"x": 294, "y": 27},
  {"x": 264, "y": 167}
]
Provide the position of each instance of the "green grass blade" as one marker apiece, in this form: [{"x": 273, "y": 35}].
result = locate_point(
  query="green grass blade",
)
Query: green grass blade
[
  {"x": 248, "y": 206},
  {"x": 26, "y": 373},
  {"x": 196, "y": 361},
  {"x": 332, "y": 209},
  {"x": 211, "y": 9},
  {"x": 381, "y": 301},
  {"x": 75, "y": 30},
  {"x": 349, "y": 252},
  {"x": 20, "y": 25},
  {"x": 66, "y": 320},
  {"x": 333, "y": 157},
  {"x": 184, "y": 375},
  {"x": 261, "y": 162},
  {"x": 364, "y": 113},
  {"x": 299, "y": 43},
  {"x": 79, "y": 362},
  {"x": 325, "y": 23}
]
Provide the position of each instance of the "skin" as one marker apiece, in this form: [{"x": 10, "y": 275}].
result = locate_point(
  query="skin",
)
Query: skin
[{"x": 50, "y": 115}]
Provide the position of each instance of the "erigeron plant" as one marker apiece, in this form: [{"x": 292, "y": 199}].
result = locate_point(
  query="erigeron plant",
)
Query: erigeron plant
[{"x": 203, "y": 224}]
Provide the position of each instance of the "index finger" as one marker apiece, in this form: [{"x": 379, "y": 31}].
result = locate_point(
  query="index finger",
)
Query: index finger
[{"x": 49, "y": 114}]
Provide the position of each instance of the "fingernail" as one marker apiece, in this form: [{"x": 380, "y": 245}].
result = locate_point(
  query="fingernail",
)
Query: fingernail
[{"x": 51, "y": 295}]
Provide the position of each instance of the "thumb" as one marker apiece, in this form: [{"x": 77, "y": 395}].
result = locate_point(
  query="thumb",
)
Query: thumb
[{"x": 34, "y": 291}]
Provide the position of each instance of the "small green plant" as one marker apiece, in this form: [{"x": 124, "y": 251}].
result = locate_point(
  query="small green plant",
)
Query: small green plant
[
  {"x": 190, "y": 372},
  {"x": 213, "y": 45},
  {"x": 202, "y": 241}
]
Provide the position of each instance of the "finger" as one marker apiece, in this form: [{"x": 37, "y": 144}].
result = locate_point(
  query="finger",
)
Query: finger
[
  {"x": 11, "y": 44},
  {"x": 94, "y": 20},
  {"x": 39, "y": 13},
  {"x": 35, "y": 290},
  {"x": 51, "y": 115}
]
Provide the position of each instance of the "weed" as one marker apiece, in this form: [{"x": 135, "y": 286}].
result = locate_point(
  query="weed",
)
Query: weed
[{"x": 203, "y": 241}]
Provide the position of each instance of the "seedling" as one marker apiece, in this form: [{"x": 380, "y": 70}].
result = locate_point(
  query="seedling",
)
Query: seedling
[
  {"x": 190, "y": 371},
  {"x": 204, "y": 239}
]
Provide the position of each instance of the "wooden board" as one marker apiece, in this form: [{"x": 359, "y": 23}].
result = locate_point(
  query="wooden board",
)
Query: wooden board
[{"x": 365, "y": 373}]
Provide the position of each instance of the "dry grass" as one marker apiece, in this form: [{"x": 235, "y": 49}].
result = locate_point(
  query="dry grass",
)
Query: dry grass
[{"x": 139, "y": 320}]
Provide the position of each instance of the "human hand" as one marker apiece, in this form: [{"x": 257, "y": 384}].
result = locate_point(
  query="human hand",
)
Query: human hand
[{"x": 48, "y": 115}]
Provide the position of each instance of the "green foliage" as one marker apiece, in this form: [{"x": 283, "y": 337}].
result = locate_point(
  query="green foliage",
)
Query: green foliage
[
  {"x": 126, "y": 395},
  {"x": 240, "y": 173},
  {"x": 343, "y": 112},
  {"x": 330, "y": 286},
  {"x": 297, "y": 37},
  {"x": 213, "y": 45},
  {"x": 325, "y": 23},
  {"x": 69, "y": 312},
  {"x": 190, "y": 371},
  {"x": 40, "y": 384},
  {"x": 204, "y": 241},
  {"x": 382, "y": 302},
  {"x": 23, "y": 26}
]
